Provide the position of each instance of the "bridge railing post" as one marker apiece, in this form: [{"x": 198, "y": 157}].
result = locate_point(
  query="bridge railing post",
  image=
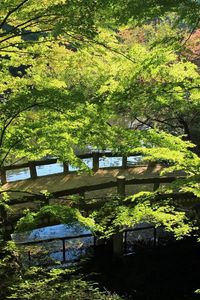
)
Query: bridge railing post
[
  {"x": 3, "y": 176},
  {"x": 64, "y": 250},
  {"x": 121, "y": 185},
  {"x": 32, "y": 168},
  {"x": 95, "y": 161},
  {"x": 124, "y": 162},
  {"x": 65, "y": 168}
]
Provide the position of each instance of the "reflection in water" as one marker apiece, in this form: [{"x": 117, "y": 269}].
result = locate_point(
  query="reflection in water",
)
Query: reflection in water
[
  {"x": 75, "y": 249},
  {"x": 50, "y": 232},
  {"x": 49, "y": 169},
  {"x": 104, "y": 162},
  {"x": 20, "y": 174},
  {"x": 48, "y": 251}
]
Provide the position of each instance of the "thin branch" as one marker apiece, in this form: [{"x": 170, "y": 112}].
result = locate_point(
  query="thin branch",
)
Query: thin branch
[
  {"x": 185, "y": 126},
  {"x": 145, "y": 122},
  {"x": 164, "y": 122},
  {"x": 24, "y": 44},
  {"x": 113, "y": 50},
  {"x": 197, "y": 114},
  {"x": 192, "y": 31},
  {"x": 16, "y": 161},
  {"x": 11, "y": 12},
  {"x": 8, "y": 151},
  {"x": 100, "y": 44},
  {"x": 14, "y": 117},
  {"x": 21, "y": 52},
  {"x": 10, "y": 121},
  {"x": 20, "y": 25},
  {"x": 25, "y": 33}
]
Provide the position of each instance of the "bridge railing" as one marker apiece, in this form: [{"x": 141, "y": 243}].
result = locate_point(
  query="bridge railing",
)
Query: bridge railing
[
  {"x": 95, "y": 156},
  {"x": 121, "y": 183},
  {"x": 63, "y": 249}
]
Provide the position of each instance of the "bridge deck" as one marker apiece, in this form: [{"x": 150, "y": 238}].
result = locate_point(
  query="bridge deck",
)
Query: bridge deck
[
  {"x": 97, "y": 185},
  {"x": 60, "y": 182}
]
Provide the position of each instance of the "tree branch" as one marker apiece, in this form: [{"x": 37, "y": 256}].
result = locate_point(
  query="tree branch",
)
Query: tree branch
[
  {"x": 145, "y": 122},
  {"x": 8, "y": 152},
  {"x": 20, "y": 25},
  {"x": 25, "y": 33},
  {"x": 192, "y": 31},
  {"x": 24, "y": 44},
  {"x": 185, "y": 126},
  {"x": 10, "y": 121},
  {"x": 11, "y": 12},
  {"x": 164, "y": 122}
]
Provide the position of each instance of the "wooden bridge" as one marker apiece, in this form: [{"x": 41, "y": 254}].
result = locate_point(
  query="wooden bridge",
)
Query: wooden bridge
[
  {"x": 102, "y": 182},
  {"x": 63, "y": 183}
]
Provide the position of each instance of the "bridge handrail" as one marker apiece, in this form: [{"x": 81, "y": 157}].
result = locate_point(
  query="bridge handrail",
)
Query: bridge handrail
[
  {"x": 92, "y": 235},
  {"x": 94, "y": 155},
  {"x": 120, "y": 184}
]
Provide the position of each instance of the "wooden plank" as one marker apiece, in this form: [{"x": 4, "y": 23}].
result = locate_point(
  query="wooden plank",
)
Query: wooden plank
[
  {"x": 15, "y": 167},
  {"x": 84, "y": 189},
  {"x": 36, "y": 163},
  {"x": 96, "y": 187},
  {"x": 153, "y": 180},
  {"x": 46, "y": 162}
]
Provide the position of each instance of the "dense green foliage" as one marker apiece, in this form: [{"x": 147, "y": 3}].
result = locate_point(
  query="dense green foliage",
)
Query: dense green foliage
[
  {"x": 109, "y": 74},
  {"x": 38, "y": 283},
  {"x": 117, "y": 215},
  {"x": 47, "y": 87},
  {"x": 58, "y": 213},
  {"x": 72, "y": 78}
]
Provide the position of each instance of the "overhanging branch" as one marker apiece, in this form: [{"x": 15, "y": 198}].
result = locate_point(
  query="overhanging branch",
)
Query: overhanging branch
[{"x": 11, "y": 12}]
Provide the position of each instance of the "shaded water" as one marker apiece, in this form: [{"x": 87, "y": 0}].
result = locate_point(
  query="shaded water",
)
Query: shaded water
[
  {"x": 66, "y": 243},
  {"x": 46, "y": 250}
]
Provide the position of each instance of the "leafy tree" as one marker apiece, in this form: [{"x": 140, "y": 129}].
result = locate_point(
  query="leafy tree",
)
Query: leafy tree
[
  {"x": 70, "y": 79},
  {"x": 53, "y": 100},
  {"x": 37, "y": 44}
]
